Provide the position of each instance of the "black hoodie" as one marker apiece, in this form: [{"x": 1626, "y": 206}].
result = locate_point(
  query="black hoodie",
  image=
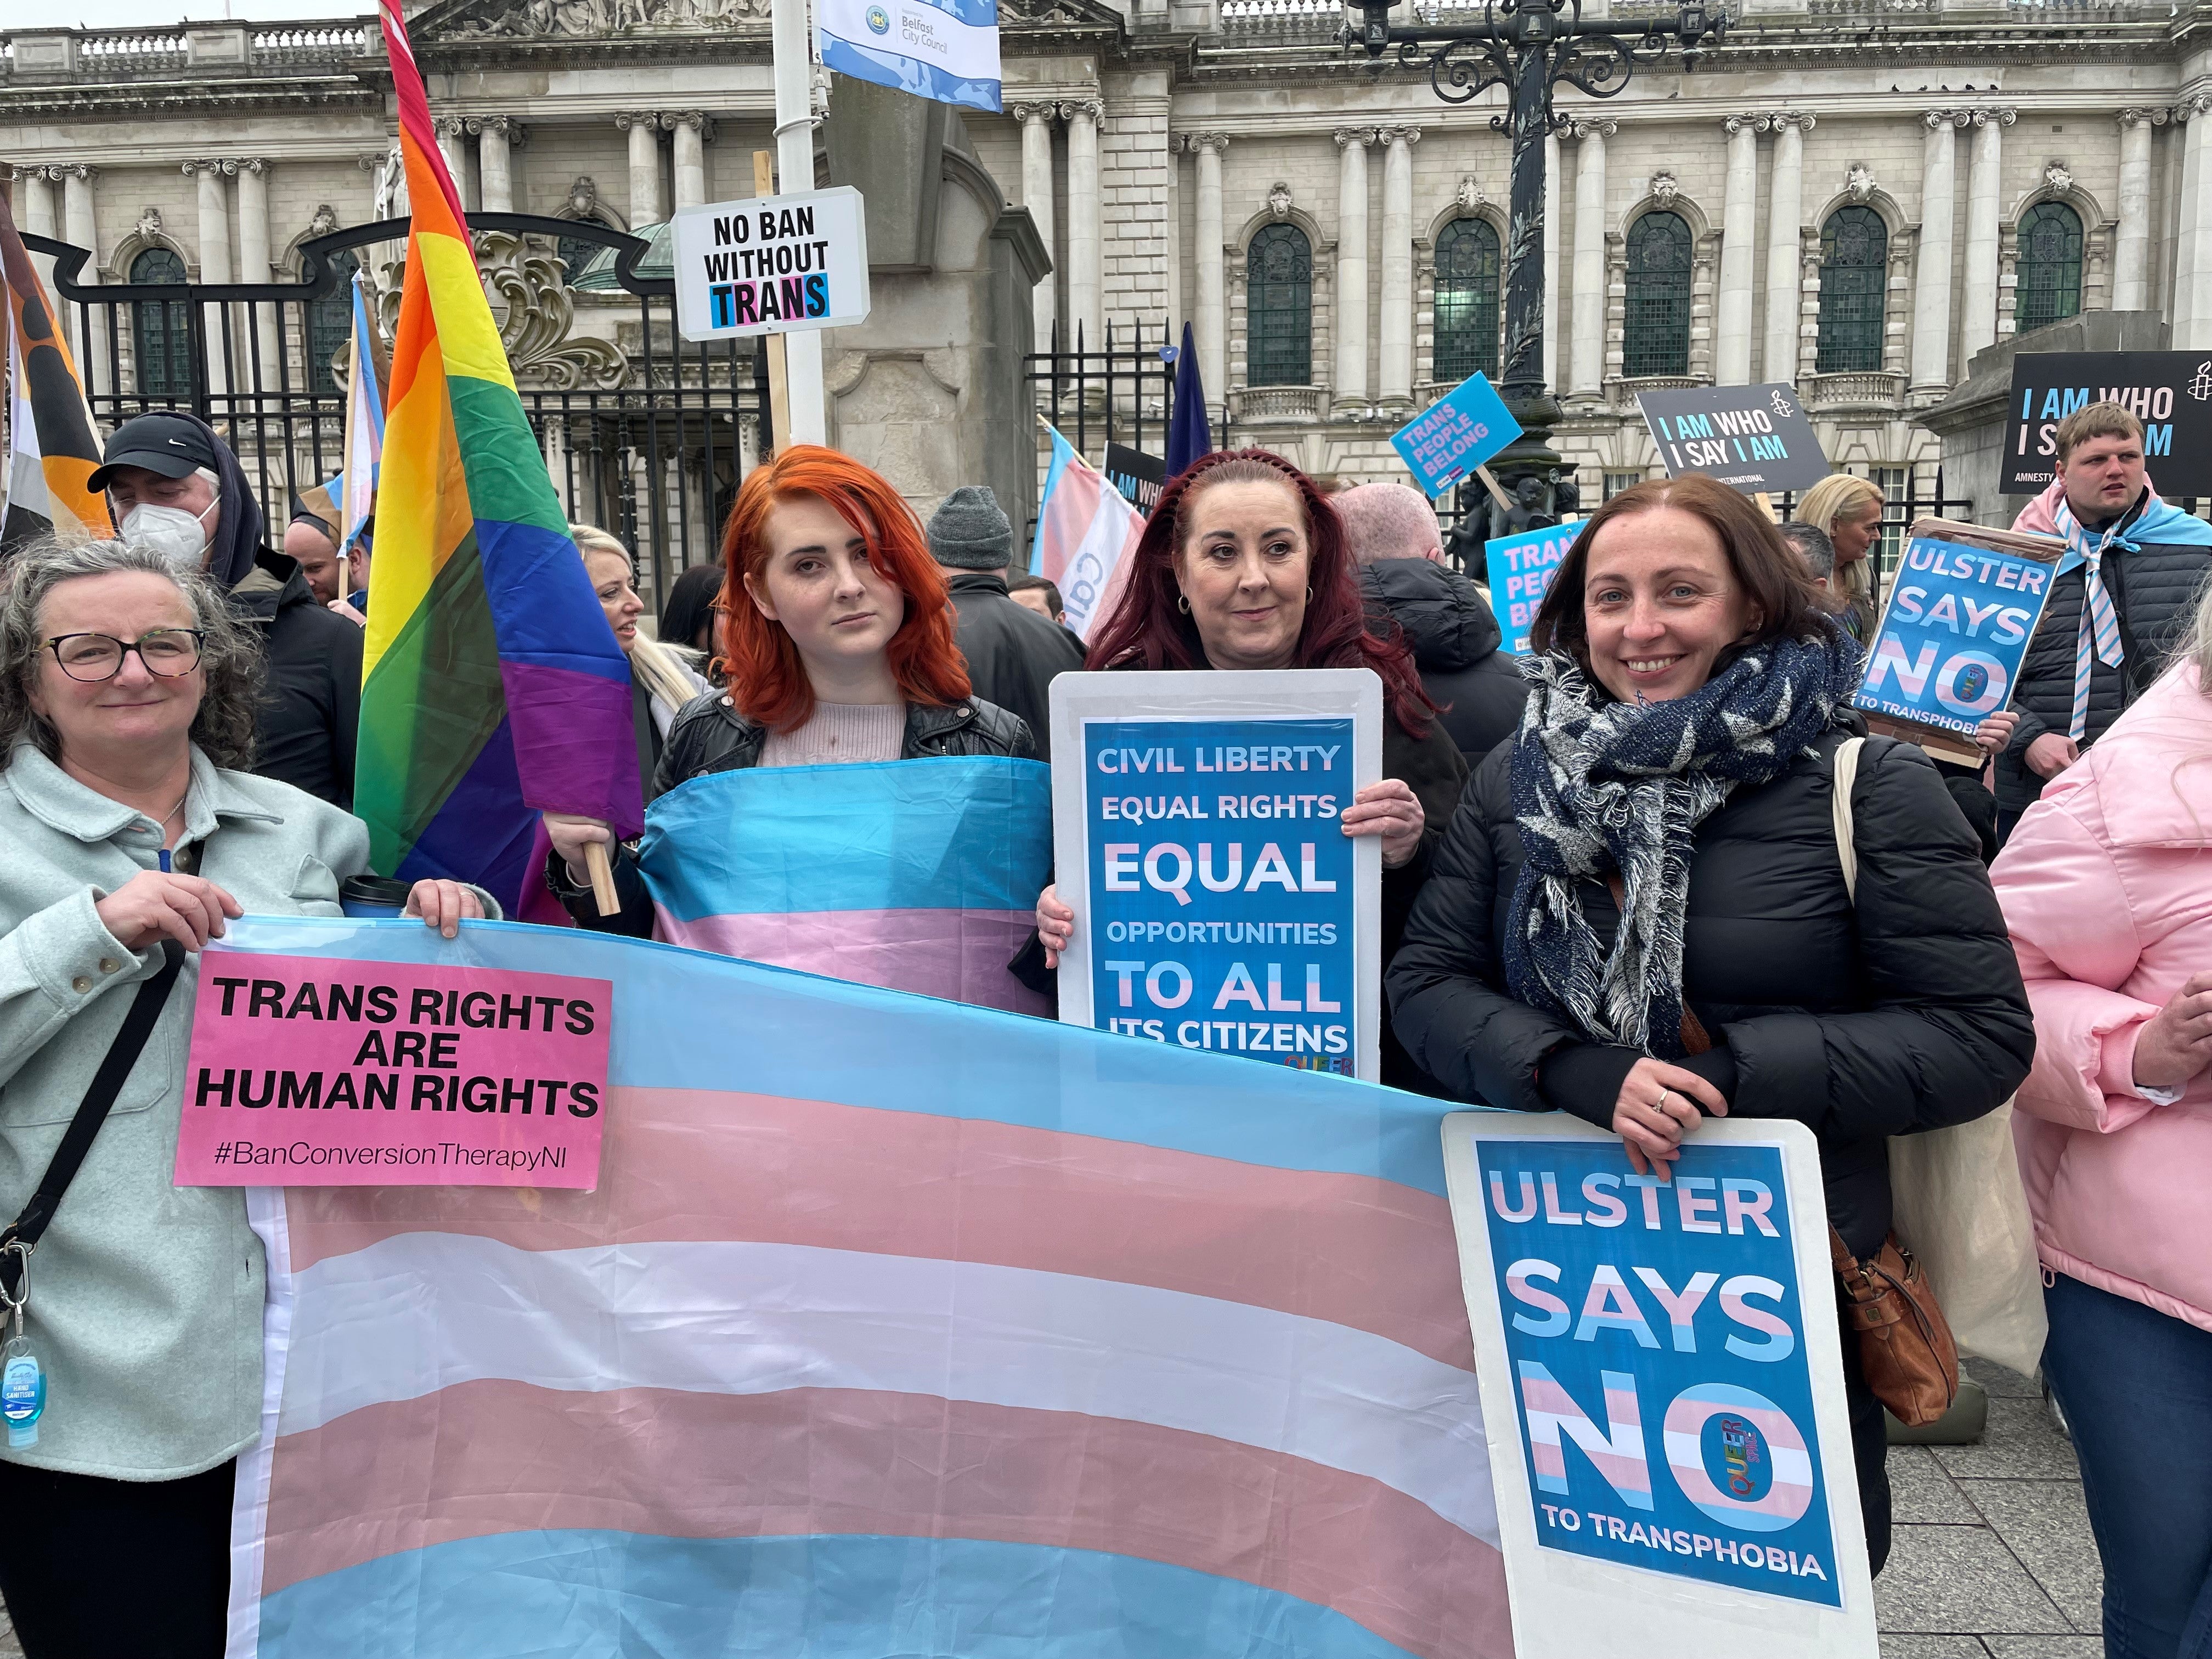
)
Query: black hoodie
[
  {"x": 310, "y": 707},
  {"x": 1453, "y": 635}
]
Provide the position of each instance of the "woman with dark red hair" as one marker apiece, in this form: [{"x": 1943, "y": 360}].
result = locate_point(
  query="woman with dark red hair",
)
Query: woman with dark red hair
[
  {"x": 838, "y": 647},
  {"x": 1243, "y": 565}
]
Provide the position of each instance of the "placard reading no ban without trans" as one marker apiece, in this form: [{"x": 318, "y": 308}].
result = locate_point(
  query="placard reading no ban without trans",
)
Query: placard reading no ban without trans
[
  {"x": 771, "y": 264},
  {"x": 1751, "y": 438},
  {"x": 1663, "y": 1391},
  {"x": 1218, "y": 903}
]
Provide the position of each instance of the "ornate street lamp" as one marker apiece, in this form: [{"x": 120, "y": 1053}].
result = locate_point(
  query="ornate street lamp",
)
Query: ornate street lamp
[{"x": 1529, "y": 47}]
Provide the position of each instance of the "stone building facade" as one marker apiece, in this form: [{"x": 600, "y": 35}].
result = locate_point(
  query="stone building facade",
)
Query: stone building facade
[{"x": 1853, "y": 194}]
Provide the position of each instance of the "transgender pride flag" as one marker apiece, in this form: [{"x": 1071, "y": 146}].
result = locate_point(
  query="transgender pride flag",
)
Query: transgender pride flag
[
  {"x": 896, "y": 1328},
  {"x": 1084, "y": 532}
]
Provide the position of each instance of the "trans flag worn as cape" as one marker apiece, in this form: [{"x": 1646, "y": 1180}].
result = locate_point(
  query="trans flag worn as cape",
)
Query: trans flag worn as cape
[
  {"x": 894, "y": 1327},
  {"x": 492, "y": 686},
  {"x": 916, "y": 875}
]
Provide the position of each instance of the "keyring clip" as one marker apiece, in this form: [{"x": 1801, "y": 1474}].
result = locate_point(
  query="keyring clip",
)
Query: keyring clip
[{"x": 13, "y": 1302}]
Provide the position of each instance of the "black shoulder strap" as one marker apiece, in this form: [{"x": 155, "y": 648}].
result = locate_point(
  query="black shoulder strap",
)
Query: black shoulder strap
[{"x": 107, "y": 1082}]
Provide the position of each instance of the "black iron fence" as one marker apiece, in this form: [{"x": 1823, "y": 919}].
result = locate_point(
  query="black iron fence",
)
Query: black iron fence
[
  {"x": 644, "y": 434},
  {"x": 1121, "y": 393}
]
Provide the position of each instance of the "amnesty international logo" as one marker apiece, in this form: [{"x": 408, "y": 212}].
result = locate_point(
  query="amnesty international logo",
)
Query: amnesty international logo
[
  {"x": 879, "y": 20},
  {"x": 2201, "y": 388}
]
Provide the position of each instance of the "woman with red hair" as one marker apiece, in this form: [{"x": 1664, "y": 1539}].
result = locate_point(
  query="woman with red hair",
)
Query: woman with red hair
[
  {"x": 838, "y": 647},
  {"x": 1243, "y": 565}
]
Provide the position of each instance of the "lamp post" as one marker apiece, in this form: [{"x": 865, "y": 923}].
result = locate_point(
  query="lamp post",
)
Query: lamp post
[{"x": 1529, "y": 47}]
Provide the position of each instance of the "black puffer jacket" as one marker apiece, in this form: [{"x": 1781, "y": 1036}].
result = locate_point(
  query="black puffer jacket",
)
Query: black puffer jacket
[
  {"x": 1453, "y": 635},
  {"x": 711, "y": 736},
  {"x": 2152, "y": 589},
  {"x": 1013, "y": 653},
  {"x": 1908, "y": 1015},
  {"x": 310, "y": 718}
]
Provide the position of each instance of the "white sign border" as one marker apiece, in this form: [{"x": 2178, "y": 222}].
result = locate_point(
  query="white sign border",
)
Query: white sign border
[
  {"x": 1566, "y": 1606},
  {"x": 1185, "y": 695},
  {"x": 686, "y": 316}
]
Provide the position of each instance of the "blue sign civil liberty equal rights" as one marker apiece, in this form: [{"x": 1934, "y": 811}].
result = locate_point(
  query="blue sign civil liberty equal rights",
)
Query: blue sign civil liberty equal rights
[
  {"x": 1220, "y": 903},
  {"x": 1656, "y": 1340},
  {"x": 1953, "y": 630}
]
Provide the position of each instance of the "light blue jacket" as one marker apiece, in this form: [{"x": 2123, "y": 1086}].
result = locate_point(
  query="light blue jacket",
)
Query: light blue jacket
[{"x": 146, "y": 1298}]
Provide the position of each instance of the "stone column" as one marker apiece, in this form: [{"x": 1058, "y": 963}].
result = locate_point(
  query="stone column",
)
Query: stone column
[
  {"x": 498, "y": 138},
  {"x": 452, "y": 146},
  {"x": 261, "y": 339},
  {"x": 1785, "y": 214},
  {"x": 644, "y": 167},
  {"x": 1212, "y": 304},
  {"x": 690, "y": 129},
  {"x": 1978, "y": 318},
  {"x": 1085, "y": 289},
  {"x": 1352, "y": 265},
  {"x": 2131, "y": 247},
  {"x": 214, "y": 232},
  {"x": 1932, "y": 304},
  {"x": 373, "y": 168},
  {"x": 1036, "y": 121},
  {"x": 1586, "y": 364},
  {"x": 37, "y": 200},
  {"x": 80, "y": 228},
  {"x": 1394, "y": 331},
  {"x": 1549, "y": 363},
  {"x": 1739, "y": 235},
  {"x": 2192, "y": 257}
]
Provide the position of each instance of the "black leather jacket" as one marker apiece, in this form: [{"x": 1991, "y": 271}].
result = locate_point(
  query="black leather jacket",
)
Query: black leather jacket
[{"x": 711, "y": 736}]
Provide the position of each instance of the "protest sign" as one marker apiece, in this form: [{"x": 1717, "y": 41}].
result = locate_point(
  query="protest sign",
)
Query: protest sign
[
  {"x": 1755, "y": 439},
  {"x": 771, "y": 264},
  {"x": 891, "y": 1318},
  {"x": 1451, "y": 437},
  {"x": 1955, "y": 624},
  {"x": 2169, "y": 391},
  {"x": 307, "y": 1072},
  {"x": 1218, "y": 903},
  {"x": 1519, "y": 569},
  {"x": 1139, "y": 477},
  {"x": 948, "y": 51},
  {"x": 1670, "y": 1444}
]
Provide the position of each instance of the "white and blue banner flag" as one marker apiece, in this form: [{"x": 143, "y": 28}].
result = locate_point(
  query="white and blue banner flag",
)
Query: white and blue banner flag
[{"x": 948, "y": 51}]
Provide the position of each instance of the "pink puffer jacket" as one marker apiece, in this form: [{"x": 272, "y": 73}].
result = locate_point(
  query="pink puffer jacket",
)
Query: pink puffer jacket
[{"x": 2107, "y": 885}]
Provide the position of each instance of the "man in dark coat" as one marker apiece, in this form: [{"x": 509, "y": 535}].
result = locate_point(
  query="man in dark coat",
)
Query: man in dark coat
[
  {"x": 1447, "y": 620},
  {"x": 175, "y": 486},
  {"x": 1012, "y": 652},
  {"x": 2145, "y": 558}
]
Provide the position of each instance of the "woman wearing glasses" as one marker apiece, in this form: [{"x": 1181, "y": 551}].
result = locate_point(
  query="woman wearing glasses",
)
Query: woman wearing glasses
[{"x": 127, "y": 704}]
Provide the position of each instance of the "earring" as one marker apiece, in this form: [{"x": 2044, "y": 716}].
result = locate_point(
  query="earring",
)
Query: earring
[
  {"x": 1182, "y": 602},
  {"x": 1308, "y": 596}
]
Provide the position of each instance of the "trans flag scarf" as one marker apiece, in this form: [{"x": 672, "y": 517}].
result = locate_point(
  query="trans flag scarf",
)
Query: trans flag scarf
[{"x": 2099, "y": 633}]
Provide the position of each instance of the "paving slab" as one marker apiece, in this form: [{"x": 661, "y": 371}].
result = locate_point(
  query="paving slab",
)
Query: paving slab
[
  {"x": 2046, "y": 1524},
  {"x": 1921, "y": 1490},
  {"x": 2002, "y": 1383},
  {"x": 1946, "y": 1580},
  {"x": 1932, "y": 1647},
  {"x": 2040, "y": 1647},
  {"x": 2021, "y": 1443}
]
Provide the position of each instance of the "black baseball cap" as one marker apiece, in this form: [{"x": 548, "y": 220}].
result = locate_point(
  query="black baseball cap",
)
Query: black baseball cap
[{"x": 167, "y": 444}]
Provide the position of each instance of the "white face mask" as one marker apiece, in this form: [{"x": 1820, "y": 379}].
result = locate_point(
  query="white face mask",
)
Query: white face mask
[{"x": 180, "y": 538}]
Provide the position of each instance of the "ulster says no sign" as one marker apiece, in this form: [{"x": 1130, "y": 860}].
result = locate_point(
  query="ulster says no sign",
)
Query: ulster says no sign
[{"x": 771, "y": 264}]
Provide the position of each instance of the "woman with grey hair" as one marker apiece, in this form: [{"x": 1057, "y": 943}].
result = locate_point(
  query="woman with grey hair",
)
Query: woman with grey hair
[{"x": 134, "y": 836}]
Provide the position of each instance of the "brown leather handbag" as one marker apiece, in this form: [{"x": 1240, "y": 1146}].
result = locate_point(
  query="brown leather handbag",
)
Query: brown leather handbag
[{"x": 1905, "y": 1348}]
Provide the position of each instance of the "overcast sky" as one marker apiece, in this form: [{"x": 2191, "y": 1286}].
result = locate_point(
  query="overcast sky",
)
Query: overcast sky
[{"x": 127, "y": 14}]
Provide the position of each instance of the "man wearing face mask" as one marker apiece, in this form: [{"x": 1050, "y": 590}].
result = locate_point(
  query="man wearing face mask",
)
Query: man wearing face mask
[{"x": 176, "y": 488}]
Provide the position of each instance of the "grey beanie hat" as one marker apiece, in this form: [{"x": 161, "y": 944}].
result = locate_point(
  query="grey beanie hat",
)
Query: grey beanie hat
[{"x": 970, "y": 533}]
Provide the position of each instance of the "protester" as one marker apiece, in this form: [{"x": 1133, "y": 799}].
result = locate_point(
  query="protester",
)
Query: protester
[
  {"x": 175, "y": 487},
  {"x": 2108, "y": 892},
  {"x": 840, "y": 648},
  {"x": 663, "y": 678},
  {"x": 127, "y": 705},
  {"x": 1243, "y": 565},
  {"x": 1816, "y": 548},
  {"x": 1447, "y": 621},
  {"x": 1689, "y": 695},
  {"x": 1848, "y": 509},
  {"x": 1039, "y": 595},
  {"x": 2135, "y": 561},
  {"x": 692, "y": 615},
  {"x": 1013, "y": 653},
  {"x": 312, "y": 542}
]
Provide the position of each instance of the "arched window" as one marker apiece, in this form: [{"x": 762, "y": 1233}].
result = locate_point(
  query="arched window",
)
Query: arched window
[
  {"x": 1854, "y": 274},
  {"x": 1278, "y": 308},
  {"x": 1655, "y": 335},
  {"x": 2049, "y": 271},
  {"x": 576, "y": 252},
  {"x": 160, "y": 333},
  {"x": 329, "y": 327},
  {"x": 1467, "y": 300}
]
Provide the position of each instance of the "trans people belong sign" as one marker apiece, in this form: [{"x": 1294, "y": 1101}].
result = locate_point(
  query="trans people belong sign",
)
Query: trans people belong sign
[
  {"x": 1520, "y": 568},
  {"x": 1221, "y": 906},
  {"x": 1953, "y": 632},
  {"x": 1670, "y": 1377}
]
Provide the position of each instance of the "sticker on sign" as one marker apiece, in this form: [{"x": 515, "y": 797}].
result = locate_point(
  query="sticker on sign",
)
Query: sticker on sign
[{"x": 771, "y": 264}]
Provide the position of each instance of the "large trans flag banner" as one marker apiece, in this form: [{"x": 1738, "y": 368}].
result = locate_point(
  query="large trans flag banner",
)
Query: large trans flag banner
[
  {"x": 895, "y": 1326},
  {"x": 915, "y": 875}
]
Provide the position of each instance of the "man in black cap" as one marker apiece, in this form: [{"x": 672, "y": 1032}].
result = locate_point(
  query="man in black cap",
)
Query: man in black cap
[
  {"x": 175, "y": 487},
  {"x": 1012, "y": 652}
]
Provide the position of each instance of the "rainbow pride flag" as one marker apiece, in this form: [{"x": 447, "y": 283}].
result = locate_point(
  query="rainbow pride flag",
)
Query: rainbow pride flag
[
  {"x": 492, "y": 686},
  {"x": 895, "y": 1326}
]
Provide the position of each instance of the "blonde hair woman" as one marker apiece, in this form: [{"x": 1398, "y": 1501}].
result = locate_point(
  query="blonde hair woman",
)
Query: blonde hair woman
[
  {"x": 665, "y": 676},
  {"x": 1850, "y": 510}
]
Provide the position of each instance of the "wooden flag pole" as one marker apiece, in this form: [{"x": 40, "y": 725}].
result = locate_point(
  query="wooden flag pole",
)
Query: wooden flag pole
[
  {"x": 1490, "y": 484},
  {"x": 603, "y": 877},
  {"x": 779, "y": 377}
]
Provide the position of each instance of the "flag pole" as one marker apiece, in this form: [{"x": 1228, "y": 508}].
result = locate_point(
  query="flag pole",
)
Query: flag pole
[{"x": 794, "y": 154}]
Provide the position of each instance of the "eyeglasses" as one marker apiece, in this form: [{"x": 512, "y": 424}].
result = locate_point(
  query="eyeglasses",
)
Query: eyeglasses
[{"x": 168, "y": 653}]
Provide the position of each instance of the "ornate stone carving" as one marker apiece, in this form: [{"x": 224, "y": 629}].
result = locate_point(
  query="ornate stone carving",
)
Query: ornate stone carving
[
  {"x": 227, "y": 168},
  {"x": 1776, "y": 120},
  {"x": 1046, "y": 113},
  {"x": 535, "y": 315},
  {"x": 1858, "y": 180},
  {"x": 1091, "y": 106},
  {"x": 1950, "y": 118},
  {"x": 1395, "y": 135},
  {"x": 1665, "y": 188},
  {"x": 503, "y": 126},
  {"x": 1580, "y": 129},
  {"x": 2193, "y": 107},
  {"x": 2057, "y": 179},
  {"x": 1279, "y": 202},
  {"x": 1469, "y": 195},
  {"x": 1347, "y": 136},
  {"x": 1998, "y": 116},
  {"x": 590, "y": 19},
  {"x": 148, "y": 228},
  {"x": 583, "y": 198},
  {"x": 2140, "y": 117},
  {"x": 1196, "y": 142},
  {"x": 325, "y": 220}
]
